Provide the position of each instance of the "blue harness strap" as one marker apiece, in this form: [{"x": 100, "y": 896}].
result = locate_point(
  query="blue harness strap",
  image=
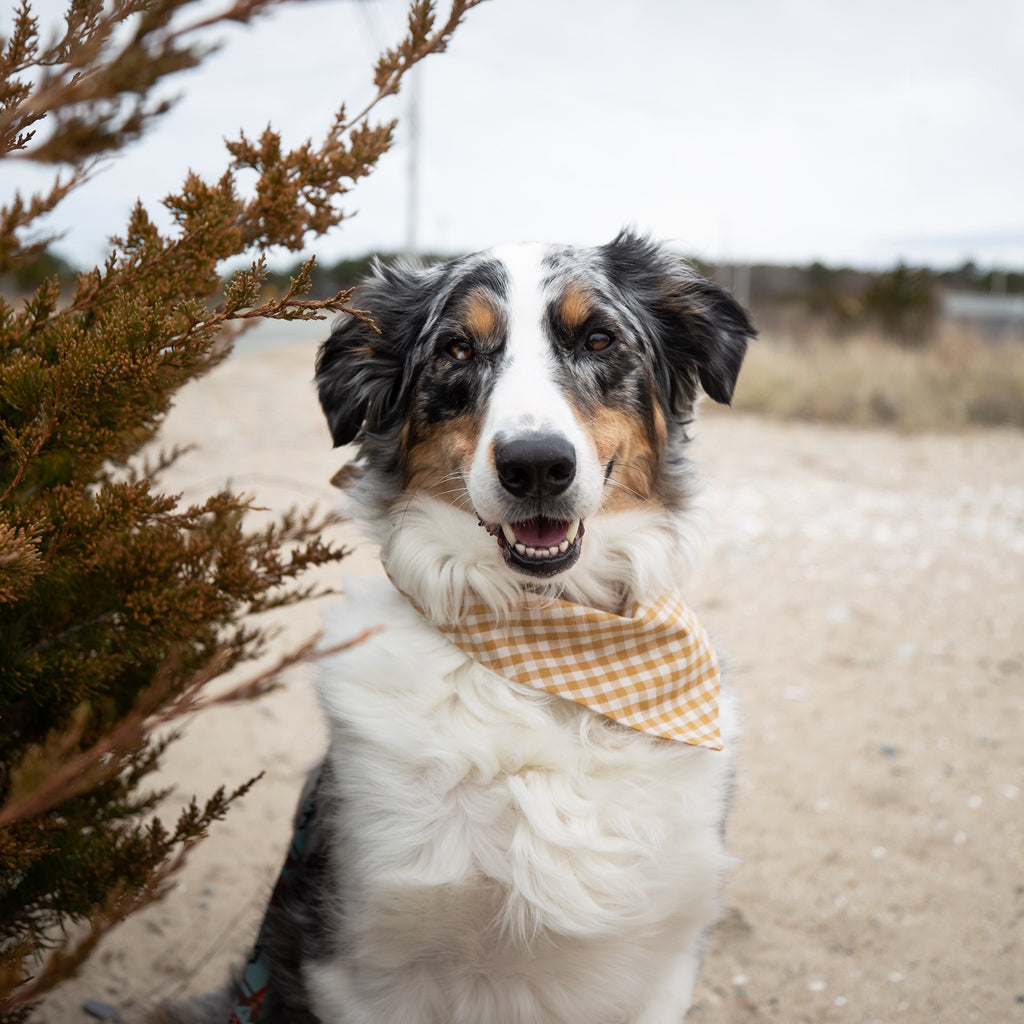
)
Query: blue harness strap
[{"x": 249, "y": 992}]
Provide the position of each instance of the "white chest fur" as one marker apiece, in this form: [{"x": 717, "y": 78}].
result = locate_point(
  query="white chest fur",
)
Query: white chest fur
[{"x": 504, "y": 855}]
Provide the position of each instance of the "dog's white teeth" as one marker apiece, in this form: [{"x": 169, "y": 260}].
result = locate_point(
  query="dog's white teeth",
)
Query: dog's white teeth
[{"x": 551, "y": 551}]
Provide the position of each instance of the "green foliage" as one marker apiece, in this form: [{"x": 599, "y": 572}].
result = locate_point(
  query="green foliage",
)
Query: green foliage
[
  {"x": 905, "y": 303},
  {"x": 828, "y": 295},
  {"x": 117, "y": 604},
  {"x": 970, "y": 277},
  {"x": 901, "y": 303}
]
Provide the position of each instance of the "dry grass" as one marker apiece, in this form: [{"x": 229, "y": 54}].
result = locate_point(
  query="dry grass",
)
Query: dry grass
[{"x": 957, "y": 381}]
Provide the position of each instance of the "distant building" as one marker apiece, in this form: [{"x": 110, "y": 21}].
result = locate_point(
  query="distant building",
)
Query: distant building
[{"x": 994, "y": 315}]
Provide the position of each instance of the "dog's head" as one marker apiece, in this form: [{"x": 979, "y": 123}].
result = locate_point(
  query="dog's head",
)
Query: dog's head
[{"x": 529, "y": 391}]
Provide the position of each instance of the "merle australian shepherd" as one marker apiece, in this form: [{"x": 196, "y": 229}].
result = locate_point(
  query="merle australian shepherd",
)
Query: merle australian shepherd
[{"x": 484, "y": 852}]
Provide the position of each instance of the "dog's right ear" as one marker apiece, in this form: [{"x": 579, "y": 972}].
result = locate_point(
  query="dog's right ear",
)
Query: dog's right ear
[{"x": 362, "y": 369}]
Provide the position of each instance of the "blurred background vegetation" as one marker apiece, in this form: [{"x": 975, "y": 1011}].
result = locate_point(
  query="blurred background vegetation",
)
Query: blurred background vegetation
[{"x": 910, "y": 347}]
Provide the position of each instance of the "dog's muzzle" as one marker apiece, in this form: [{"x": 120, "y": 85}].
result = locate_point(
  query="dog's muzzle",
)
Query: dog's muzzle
[{"x": 535, "y": 471}]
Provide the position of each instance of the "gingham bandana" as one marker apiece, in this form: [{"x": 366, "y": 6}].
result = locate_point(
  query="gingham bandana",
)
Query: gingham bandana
[{"x": 654, "y": 671}]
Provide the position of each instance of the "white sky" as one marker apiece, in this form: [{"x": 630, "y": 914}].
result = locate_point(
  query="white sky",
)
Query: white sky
[{"x": 783, "y": 130}]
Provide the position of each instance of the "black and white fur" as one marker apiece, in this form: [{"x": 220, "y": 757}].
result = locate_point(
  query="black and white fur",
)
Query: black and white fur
[{"x": 491, "y": 854}]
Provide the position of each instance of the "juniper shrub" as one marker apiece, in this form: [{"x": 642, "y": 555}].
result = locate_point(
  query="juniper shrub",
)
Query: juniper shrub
[{"x": 117, "y": 604}]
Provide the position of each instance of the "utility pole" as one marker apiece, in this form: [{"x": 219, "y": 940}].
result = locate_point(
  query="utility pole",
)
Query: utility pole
[
  {"x": 741, "y": 283},
  {"x": 414, "y": 83},
  {"x": 412, "y": 182}
]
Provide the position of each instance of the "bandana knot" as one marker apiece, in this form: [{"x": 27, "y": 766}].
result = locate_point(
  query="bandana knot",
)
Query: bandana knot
[{"x": 653, "y": 670}]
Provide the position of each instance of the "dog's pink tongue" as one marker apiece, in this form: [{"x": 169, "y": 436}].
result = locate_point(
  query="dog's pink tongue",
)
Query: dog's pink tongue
[{"x": 540, "y": 533}]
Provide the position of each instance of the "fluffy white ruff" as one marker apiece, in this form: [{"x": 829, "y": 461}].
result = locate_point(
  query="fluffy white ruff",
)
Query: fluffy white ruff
[
  {"x": 505, "y": 856},
  {"x": 439, "y": 556}
]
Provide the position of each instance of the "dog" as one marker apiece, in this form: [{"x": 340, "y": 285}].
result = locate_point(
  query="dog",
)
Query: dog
[{"x": 486, "y": 851}]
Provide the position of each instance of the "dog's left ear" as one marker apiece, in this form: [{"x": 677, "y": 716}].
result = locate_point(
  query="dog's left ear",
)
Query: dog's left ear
[
  {"x": 700, "y": 329},
  {"x": 362, "y": 369},
  {"x": 706, "y": 332}
]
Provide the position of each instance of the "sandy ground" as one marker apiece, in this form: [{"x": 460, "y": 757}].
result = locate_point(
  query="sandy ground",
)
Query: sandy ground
[{"x": 868, "y": 591}]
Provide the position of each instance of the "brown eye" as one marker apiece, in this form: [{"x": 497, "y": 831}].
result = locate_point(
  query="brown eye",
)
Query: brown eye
[
  {"x": 599, "y": 341},
  {"x": 461, "y": 350}
]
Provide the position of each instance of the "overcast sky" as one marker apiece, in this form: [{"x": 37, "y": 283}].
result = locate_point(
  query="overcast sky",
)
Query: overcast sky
[{"x": 735, "y": 130}]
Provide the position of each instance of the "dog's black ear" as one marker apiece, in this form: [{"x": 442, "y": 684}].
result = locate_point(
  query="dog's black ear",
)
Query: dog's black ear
[
  {"x": 701, "y": 330},
  {"x": 707, "y": 331},
  {"x": 362, "y": 369}
]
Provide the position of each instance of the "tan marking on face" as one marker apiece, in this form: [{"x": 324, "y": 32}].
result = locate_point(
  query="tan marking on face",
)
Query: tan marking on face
[
  {"x": 575, "y": 308},
  {"x": 637, "y": 455},
  {"x": 346, "y": 476},
  {"x": 479, "y": 315},
  {"x": 437, "y": 461}
]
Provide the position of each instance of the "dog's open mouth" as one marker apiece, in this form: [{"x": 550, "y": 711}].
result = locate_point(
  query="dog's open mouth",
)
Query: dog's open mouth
[{"x": 540, "y": 546}]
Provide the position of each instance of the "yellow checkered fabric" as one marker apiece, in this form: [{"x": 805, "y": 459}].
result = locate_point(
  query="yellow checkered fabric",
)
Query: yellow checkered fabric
[{"x": 654, "y": 670}]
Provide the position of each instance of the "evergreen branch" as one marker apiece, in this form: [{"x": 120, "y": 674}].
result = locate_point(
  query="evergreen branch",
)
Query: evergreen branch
[
  {"x": 19, "y": 214},
  {"x": 119, "y": 276},
  {"x": 242, "y": 11},
  {"x": 244, "y": 290},
  {"x": 420, "y": 43},
  {"x": 117, "y": 609},
  {"x": 105, "y": 758},
  {"x": 265, "y": 681},
  {"x": 43, "y": 434},
  {"x": 61, "y": 638},
  {"x": 63, "y": 961},
  {"x": 91, "y": 81},
  {"x": 77, "y": 775}
]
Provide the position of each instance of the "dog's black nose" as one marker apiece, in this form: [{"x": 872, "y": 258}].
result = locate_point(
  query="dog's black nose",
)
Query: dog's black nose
[{"x": 538, "y": 466}]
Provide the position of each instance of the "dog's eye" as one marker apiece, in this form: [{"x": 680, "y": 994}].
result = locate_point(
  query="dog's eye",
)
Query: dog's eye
[
  {"x": 599, "y": 341},
  {"x": 460, "y": 349}
]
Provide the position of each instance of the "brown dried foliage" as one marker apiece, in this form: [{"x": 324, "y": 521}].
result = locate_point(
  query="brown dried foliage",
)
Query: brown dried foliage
[{"x": 117, "y": 605}]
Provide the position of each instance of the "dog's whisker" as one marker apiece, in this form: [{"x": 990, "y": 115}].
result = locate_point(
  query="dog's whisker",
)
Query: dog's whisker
[{"x": 632, "y": 491}]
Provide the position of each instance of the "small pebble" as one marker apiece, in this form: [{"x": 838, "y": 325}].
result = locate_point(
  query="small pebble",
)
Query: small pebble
[{"x": 101, "y": 1010}]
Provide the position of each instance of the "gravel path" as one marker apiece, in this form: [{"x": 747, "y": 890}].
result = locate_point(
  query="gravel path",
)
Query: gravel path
[{"x": 869, "y": 590}]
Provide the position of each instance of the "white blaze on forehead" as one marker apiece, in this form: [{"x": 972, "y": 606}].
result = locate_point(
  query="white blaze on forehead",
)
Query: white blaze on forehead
[{"x": 526, "y": 397}]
